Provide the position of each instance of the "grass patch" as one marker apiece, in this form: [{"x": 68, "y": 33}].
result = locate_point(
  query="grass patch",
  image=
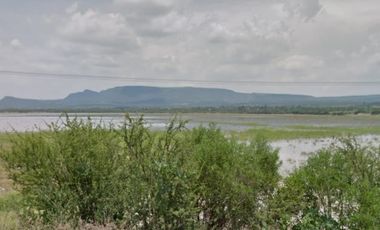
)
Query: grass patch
[
  {"x": 5, "y": 182},
  {"x": 4, "y": 138},
  {"x": 9, "y": 221},
  {"x": 305, "y": 132},
  {"x": 10, "y": 202},
  {"x": 10, "y": 205}
]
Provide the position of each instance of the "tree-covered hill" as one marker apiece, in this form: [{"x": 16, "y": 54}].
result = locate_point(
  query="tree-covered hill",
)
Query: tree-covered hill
[{"x": 180, "y": 97}]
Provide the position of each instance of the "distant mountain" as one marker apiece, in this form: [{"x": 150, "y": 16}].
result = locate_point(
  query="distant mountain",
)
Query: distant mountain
[{"x": 151, "y": 97}]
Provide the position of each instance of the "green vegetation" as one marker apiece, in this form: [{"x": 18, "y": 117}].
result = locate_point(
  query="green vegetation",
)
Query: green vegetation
[
  {"x": 137, "y": 178},
  {"x": 82, "y": 174},
  {"x": 193, "y": 99},
  {"x": 10, "y": 205},
  {"x": 337, "y": 189},
  {"x": 306, "y": 132},
  {"x": 372, "y": 109}
]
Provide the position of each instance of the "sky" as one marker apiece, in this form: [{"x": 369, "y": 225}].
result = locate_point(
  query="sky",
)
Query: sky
[{"x": 193, "y": 40}]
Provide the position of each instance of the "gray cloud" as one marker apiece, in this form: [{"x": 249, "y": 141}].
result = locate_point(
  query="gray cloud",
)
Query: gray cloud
[
  {"x": 274, "y": 40},
  {"x": 305, "y": 9},
  {"x": 103, "y": 29},
  {"x": 146, "y": 8}
]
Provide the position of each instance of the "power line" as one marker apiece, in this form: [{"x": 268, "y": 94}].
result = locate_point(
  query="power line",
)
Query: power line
[{"x": 12, "y": 73}]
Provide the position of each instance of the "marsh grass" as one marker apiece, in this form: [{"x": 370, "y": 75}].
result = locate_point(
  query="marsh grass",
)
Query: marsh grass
[
  {"x": 9, "y": 220},
  {"x": 303, "y": 132}
]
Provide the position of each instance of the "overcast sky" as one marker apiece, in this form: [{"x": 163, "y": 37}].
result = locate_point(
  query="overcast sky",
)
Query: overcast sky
[{"x": 214, "y": 40}]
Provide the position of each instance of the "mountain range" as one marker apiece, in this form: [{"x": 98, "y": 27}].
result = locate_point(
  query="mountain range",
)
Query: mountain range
[{"x": 164, "y": 97}]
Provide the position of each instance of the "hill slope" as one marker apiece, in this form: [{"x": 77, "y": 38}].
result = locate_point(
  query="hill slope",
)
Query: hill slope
[{"x": 141, "y": 96}]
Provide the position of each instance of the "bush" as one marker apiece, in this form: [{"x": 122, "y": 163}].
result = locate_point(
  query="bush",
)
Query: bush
[
  {"x": 234, "y": 180},
  {"x": 136, "y": 178},
  {"x": 338, "y": 188},
  {"x": 69, "y": 173},
  {"x": 81, "y": 174},
  {"x": 160, "y": 191},
  {"x": 188, "y": 179}
]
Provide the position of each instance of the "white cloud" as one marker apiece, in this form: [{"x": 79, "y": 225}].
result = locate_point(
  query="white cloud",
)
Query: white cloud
[
  {"x": 166, "y": 3},
  {"x": 145, "y": 8},
  {"x": 103, "y": 29},
  {"x": 15, "y": 43},
  {"x": 300, "y": 62},
  {"x": 305, "y": 9},
  {"x": 73, "y": 8},
  {"x": 170, "y": 23},
  {"x": 220, "y": 33}
]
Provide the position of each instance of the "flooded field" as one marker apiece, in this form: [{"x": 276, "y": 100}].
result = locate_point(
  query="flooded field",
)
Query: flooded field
[
  {"x": 229, "y": 122},
  {"x": 292, "y": 152},
  {"x": 31, "y": 121}
]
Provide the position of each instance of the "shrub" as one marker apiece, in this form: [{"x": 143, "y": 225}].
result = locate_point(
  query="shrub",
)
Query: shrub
[
  {"x": 234, "y": 180},
  {"x": 160, "y": 191},
  {"x": 189, "y": 179},
  {"x": 69, "y": 173},
  {"x": 337, "y": 188},
  {"x": 83, "y": 172}
]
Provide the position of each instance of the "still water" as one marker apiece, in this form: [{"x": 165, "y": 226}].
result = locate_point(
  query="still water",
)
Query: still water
[
  {"x": 237, "y": 122},
  {"x": 33, "y": 121},
  {"x": 294, "y": 153}
]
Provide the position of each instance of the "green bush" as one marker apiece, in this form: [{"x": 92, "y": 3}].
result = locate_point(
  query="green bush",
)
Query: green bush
[
  {"x": 159, "y": 183},
  {"x": 189, "y": 179},
  {"x": 84, "y": 174},
  {"x": 137, "y": 178},
  {"x": 234, "y": 180},
  {"x": 69, "y": 173},
  {"x": 338, "y": 188}
]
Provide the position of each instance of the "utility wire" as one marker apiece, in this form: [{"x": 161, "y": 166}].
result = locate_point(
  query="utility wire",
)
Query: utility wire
[{"x": 12, "y": 73}]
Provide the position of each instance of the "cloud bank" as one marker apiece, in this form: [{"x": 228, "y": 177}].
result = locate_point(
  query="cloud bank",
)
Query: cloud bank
[{"x": 254, "y": 40}]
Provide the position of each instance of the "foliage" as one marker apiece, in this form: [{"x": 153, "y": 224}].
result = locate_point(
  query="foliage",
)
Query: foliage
[
  {"x": 236, "y": 108},
  {"x": 86, "y": 173},
  {"x": 9, "y": 204},
  {"x": 68, "y": 173},
  {"x": 159, "y": 184},
  {"x": 337, "y": 188},
  {"x": 234, "y": 181}
]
